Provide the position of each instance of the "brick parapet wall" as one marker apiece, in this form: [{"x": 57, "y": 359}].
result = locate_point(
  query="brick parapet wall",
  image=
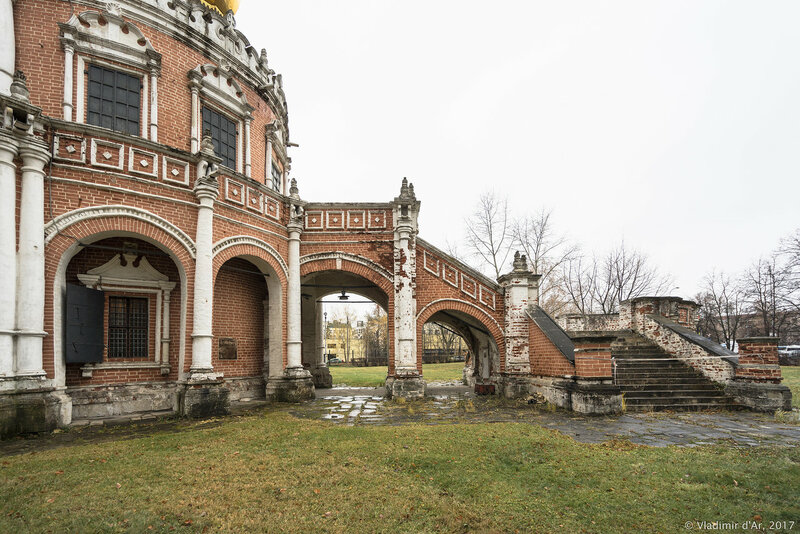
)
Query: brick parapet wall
[
  {"x": 545, "y": 358},
  {"x": 593, "y": 358},
  {"x": 758, "y": 360}
]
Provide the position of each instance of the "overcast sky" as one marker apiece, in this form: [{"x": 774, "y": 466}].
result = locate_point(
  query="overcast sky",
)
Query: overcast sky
[{"x": 674, "y": 125}]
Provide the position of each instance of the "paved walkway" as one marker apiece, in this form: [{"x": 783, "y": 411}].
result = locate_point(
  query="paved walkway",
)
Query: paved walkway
[{"x": 448, "y": 404}]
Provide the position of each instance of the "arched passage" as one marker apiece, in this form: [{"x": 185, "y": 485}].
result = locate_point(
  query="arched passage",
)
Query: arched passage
[
  {"x": 254, "y": 271},
  {"x": 480, "y": 331},
  {"x": 324, "y": 275}
]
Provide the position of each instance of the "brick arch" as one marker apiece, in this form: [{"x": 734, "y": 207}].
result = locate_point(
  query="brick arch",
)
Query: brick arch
[
  {"x": 352, "y": 264},
  {"x": 364, "y": 268},
  {"x": 61, "y": 247},
  {"x": 277, "y": 283},
  {"x": 234, "y": 247},
  {"x": 424, "y": 315}
]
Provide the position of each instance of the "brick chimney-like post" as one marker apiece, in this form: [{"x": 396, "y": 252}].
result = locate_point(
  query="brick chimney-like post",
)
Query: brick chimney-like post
[{"x": 758, "y": 360}]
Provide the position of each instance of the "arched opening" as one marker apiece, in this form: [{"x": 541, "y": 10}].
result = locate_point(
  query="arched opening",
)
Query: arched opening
[
  {"x": 241, "y": 304},
  {"x": 478, "y": 332},
  {"x": 345, "y": 327},
  {"x": 456, "y": 347},
  {"x": 119, "y": 308}
]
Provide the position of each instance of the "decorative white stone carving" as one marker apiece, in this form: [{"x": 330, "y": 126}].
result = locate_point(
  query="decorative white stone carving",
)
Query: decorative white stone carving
[
  {"x": 107, "y": 146},
  {"x": 175, "y": 171},
  {"x": 135, "y": 154},
  {"x": 71, "y": 142}
]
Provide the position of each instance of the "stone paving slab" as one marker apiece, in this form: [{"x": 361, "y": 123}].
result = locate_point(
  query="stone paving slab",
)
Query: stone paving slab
[{"x": 446, "y": 404}]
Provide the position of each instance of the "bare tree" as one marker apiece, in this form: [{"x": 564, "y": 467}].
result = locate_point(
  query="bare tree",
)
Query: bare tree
[
  {"x": 723, "y": 308},
  {"x": 489, "y": 232},
  {"x": 547, "y": 251},
  {"x": 599, "y": 285},
  {"x": 768, "y": 287}
]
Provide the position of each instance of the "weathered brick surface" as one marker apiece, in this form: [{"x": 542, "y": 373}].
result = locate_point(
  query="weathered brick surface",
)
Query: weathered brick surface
[{"x": 758, "y": 360}]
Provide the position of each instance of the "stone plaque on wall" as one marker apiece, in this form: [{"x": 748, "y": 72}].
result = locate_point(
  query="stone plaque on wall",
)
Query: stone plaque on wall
[{"x": 227, "y": 348}]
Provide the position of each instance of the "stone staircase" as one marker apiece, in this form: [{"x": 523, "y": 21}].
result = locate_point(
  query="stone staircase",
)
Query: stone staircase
[{"x": 651, "y": 380}]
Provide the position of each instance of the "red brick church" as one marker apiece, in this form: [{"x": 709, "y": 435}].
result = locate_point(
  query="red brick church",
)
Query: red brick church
[{"x": 156, "y": 255}]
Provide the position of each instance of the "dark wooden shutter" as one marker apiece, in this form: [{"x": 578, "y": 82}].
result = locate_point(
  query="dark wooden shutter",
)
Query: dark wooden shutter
[{"x": 84, "y": 332}]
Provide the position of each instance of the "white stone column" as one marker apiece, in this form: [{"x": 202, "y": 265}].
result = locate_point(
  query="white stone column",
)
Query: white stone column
[
  {"x": 195, "y": 143},
  {"x": 268, "y": 166},
  {"x": 165, "y": 335},
  {"x": 8, "y": 253},
  {"x": 201, "y": 368},
  {"x": 247, "y": 154},
  {"x": 30, "y": 262},
  {"x": 319, "y": 334},
  {"x": 517, "y": 295},
  {"x": 154, "y": 105},
  {"x": 8, "y": 48},
  {"x": 293, "y": 312},
  {"x": 405, "y": 357},
  {"x": 405, "y": 273},
  {"x": 69, "y": 81}
]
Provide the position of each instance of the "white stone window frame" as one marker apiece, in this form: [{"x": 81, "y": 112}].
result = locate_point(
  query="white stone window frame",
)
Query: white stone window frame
[
  {"x": 216, "y": 87},
  {"x": 107, "y": 278},
  {"x": 276, "y": 150},
  {"x": 111, "y": 42}
]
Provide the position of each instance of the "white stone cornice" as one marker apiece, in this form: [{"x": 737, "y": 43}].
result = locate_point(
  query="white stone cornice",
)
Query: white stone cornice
[
  {"x": 233, "y": 241},
  {"x": 66, "y": 220}
]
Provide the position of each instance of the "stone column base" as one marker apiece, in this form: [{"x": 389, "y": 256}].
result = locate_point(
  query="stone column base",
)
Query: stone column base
[
  {"x": 513, "y": 386},
  {"x": 29, "y": 411},
  {"x": 405, "y": 387},
  {"x": 296, "y": 385},
  {"x": 322, "y": 377},
  {"x": 760, "y": 396},
  {"x": 204, "y": 399}
]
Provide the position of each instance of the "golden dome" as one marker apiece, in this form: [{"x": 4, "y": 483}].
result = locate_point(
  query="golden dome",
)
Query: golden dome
[{"x": 223, "y": 5}]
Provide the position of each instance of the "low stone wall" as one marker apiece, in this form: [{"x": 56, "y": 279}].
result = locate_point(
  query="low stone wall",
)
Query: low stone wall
[
  {"x": 577, "y": 322},
  {"x": 596, "y": 397},
  {"x": 122, "y": 399}
]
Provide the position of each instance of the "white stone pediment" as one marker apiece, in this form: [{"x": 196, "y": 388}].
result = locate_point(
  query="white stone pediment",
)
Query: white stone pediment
[{"x": 114, "y": 272}]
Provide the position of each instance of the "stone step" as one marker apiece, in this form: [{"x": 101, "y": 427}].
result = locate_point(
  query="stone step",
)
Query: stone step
[
  {"x": 715, "y": 406},
  {"x": 681, "y": 395},
  {"x": 660, "y": 381},
  {"x": 665, "y": 374},
  {"x": 637, "y": 398},
  {"x": 657, "y": 386}
]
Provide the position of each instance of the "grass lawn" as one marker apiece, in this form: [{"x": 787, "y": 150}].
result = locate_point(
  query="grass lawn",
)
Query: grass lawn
[
  {"x": 791, "y": 378},
  {"x": 275, "y": 473},
  {"x": 376, "y": 376}
]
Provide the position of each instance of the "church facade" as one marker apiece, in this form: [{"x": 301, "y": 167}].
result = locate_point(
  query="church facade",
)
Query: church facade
[{"x": 157, "y": 256}]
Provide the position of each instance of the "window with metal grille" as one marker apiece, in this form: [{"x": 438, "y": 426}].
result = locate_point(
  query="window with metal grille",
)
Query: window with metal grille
[
  {"x": 114, "y": 100},
  {"x": 223, "y": 134},
  {"x": 127, "y": 327},
  {"x": 276, "y": 177}
]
